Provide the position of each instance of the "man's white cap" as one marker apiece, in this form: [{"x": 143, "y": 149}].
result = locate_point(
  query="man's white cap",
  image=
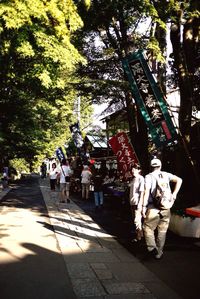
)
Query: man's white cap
[{"x": 155, "y": 162}]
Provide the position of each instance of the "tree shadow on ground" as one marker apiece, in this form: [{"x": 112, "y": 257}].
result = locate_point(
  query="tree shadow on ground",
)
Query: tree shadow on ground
[{"x": 40, "y": 274}]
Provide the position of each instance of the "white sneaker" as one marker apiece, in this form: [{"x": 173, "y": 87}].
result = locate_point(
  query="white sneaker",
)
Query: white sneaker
[{"x": 159, "y": 255}]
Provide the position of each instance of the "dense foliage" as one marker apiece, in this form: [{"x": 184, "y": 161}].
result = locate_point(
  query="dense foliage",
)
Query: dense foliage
[{"x": 37, "y": 61}]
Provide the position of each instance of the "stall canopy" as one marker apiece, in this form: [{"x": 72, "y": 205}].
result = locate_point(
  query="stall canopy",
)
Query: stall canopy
[{"x": 97, "y": 146}]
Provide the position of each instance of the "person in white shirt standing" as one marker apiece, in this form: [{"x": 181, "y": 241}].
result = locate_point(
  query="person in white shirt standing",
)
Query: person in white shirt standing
[
  {"x": 64, "y": 176},
  {"x": 85, "y": 181},
  {"x": 136, "y": 200},
  {"x": 53, "y": 176}
]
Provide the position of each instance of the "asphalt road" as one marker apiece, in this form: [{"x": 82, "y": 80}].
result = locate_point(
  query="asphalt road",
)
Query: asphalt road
[
  {"x": 31, "y": 264},
  {"x": 180, "y": 266}
]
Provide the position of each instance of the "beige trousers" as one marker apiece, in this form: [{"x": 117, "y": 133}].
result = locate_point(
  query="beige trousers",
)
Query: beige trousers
[
  {"x": 85, "y": 190},
  {"x": 156, "y": 219}
]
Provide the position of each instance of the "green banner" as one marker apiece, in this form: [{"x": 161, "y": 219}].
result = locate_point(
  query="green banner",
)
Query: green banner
[{"x": 149, "y": 99}]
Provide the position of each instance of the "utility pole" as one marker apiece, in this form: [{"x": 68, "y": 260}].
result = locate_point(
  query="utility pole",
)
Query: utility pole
[{"x": 78, "y": 109}]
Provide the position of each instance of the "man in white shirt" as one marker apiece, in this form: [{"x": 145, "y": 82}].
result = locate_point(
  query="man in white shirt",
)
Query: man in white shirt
[
  {"x": 64, "y": 172},
  {"x": 136, "y": 199},
  {"x": 157, "y": 218}
]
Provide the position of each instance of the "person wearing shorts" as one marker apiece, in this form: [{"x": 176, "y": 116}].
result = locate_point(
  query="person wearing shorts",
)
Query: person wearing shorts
[{"x": 65, "y": 171}]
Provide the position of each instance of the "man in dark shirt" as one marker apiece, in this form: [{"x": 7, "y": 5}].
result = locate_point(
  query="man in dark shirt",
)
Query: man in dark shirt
[{"x": 98, "y": 190}]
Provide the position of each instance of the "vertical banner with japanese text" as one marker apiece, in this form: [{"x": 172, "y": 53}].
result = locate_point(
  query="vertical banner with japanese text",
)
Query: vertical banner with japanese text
[
  {"x": 124, "y": 151},
  {"x": 59, "y": 153},
  {"x": 149, "y": 99},
  {"x": 76, "y": 135}
]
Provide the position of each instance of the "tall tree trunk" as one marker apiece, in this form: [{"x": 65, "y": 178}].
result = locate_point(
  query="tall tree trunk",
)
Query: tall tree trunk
[
  {"x": 184, "y": 84},
  {"x": 161, "y": 67},
  {"x": 183, "y": 58},
  {"x": 138, "y": 132}
]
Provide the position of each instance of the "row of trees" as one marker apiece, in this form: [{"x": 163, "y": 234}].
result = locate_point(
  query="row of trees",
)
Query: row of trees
[{"x": 37, "y": 64}]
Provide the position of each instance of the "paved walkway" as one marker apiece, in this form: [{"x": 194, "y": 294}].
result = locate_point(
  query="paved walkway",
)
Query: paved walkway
[
  {"x": 98, "y": 266},
  {"x": 31, "y": 264}
]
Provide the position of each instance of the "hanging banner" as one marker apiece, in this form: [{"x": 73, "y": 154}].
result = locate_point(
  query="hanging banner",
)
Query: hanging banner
[
  {"x": 76, "y": 135},
  {"x": 149, "y": 99},
  {"x": 125, "y": 153},
  {"x": 59, "y": 153}
]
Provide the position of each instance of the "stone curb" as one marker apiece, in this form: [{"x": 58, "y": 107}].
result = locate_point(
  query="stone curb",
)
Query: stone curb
[{"x": 4, "y": 192}]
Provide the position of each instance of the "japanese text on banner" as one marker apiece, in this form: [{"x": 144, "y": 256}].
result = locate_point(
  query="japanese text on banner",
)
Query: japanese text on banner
[
  {"x": 126, "y": 156},
  {"x": 149, "y": 99}
]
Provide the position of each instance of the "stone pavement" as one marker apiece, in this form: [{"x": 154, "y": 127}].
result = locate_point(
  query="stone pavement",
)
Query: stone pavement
[
  {"x": 98, "y": 266},
  {"x": 31, "y": 264}
]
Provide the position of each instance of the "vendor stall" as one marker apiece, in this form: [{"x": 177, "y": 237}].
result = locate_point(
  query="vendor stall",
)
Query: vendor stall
[{"x": 187, "y": 224}]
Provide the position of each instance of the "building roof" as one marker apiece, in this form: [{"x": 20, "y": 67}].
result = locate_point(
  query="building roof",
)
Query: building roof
[
  {"x": 97, "y": 141},
  {"x": 118, "y": 113}
]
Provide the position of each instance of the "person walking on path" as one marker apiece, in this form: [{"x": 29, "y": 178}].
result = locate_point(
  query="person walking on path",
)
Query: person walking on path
[
  {"x": 53, "y": 177},
  {"x": 85, "y": 181},
  {"x": 136, "y": 198},
  {"x": 5, "y": 178},
  {"x": 157, "y": 214},
  {"x": 98, "y": 190},
  {"x": 64, "y": 176},
  {"x": 43, "y": 170}
]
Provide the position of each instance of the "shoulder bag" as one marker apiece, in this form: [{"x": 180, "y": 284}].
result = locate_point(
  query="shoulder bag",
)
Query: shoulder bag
[{"x": 67, "y": 178}]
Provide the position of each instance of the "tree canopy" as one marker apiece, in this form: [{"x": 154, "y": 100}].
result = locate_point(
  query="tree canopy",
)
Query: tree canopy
[{"x": 38, "y": 60}]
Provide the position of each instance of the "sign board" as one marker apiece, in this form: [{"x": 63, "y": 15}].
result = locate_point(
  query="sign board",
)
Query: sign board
[
  {"x": 149, "y": 99},
  {"x": 125, "y": 153}
]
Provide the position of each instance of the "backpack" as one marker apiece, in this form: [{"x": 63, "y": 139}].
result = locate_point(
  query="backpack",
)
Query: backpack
[{"x": 162, "y": 197}]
